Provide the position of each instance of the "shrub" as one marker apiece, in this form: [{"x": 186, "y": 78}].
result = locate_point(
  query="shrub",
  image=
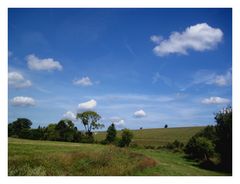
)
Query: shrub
[
  {"x": 126, "y": 139},
  {"x": 149, "y": 147},
  {"x": 200, "y": 148},
  {"x": 111, "y": 133},
  {"x": 176, "y": 145}
]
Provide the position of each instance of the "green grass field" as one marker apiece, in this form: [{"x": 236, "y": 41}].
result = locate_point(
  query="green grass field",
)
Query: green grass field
[
  {"x": 49, "y": 158},
  {"x": 158, "y": 136}
]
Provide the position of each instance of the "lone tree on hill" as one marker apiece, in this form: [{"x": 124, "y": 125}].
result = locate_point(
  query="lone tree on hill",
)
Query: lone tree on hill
[
  {"x": 166, "y": 126},
  {"x": 90, "y": 120}
]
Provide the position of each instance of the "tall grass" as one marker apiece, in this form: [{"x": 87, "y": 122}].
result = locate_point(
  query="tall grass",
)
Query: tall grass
[{"x": 25, "y": 159}]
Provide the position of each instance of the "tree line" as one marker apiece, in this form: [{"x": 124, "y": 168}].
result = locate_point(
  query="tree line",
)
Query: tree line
[
  {"x": 214, "y": 142},
  {"x": 65, "y": 130}
]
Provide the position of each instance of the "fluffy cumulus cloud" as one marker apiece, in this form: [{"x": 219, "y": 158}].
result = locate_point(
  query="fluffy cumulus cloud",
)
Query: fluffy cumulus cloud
[
  {"x": 85, "y": 81},
  {"x": 16, "y": 80},
  {"x": 119, "y": 122},
  {"x": 199, "y": 37},
  {"x": 69, "y": 115},
  {"x": 35, "y": 63},
  {"x": 23, "y": 101},
  {"x": 89, "y": 105},
  {"x": 139, "y": 114},
  {"x": 215, "y": 100}
]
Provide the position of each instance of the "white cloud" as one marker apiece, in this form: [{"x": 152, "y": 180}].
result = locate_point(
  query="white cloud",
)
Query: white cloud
[
  {"x": 199, "y": 37},
  {"x": 222, "y": 80},
  {"x": 16, "y": 80},
  {"x": 139, "y": 114},
  {"x": 215, "y": 100},
  {"x": 119, "y": 122},
  {"x": 69, "y": 115},
  {"x": 89, "y": 105},
  {"x": 23, "y": 101},
  {"x": 156, "y": 39},
  {"x": 35, "y": 63},
  {"x": 85, "y": 81}
]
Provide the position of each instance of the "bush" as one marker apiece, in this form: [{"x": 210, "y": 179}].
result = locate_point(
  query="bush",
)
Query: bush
[
  {"x": 176, "y": 145},
  {"x": 126, "y": 139},
  {"x": 149, "y": 147},
  {"x": 200, "y": 148},
  {"x": 111, "y": 133}
]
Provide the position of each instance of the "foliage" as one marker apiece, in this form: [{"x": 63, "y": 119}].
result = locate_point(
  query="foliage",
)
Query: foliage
[
  {"x": 218, "y": 139},
  {"x": 200, "y": 148},
  {"x": 19, "y": 128},
  {"x": 90, "y": 120},
  {"x": 111, "y": 133},
  {"x": 176, "y": 145},
  {"x": 66, "y": 130},
  {"x": 166, "y": 126},
  {"x": 126, "y": 139},
  {"x": 224, "y": 137}
]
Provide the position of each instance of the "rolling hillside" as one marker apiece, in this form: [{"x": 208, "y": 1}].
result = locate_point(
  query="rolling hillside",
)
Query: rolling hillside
[{"x": 158, "y": 136}]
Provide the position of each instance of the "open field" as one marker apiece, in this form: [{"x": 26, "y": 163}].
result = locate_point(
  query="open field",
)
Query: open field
[
  {"x": 28, "y": 157},
  {"x": 158, "y": 136}
]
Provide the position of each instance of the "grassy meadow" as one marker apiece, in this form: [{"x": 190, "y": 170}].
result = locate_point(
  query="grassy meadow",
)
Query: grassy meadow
[
  {"x": 50, "y": 158},
  {"x": 158, "y": 136}
]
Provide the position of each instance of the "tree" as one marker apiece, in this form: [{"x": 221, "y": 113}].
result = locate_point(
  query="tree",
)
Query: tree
[
  {"x": 166, "y": 126},
  {"x": 200, "y": 148},
  {"x": 66, "y": 130},
  {"x": 90, "y": 122},
  {"x": 50, "y": 133},
  {"x": 126, "y": 139},
  {"x": 20, "y": 128},
  {"x": 224, "y": 137},
  {"x": 111, "y": 133}
]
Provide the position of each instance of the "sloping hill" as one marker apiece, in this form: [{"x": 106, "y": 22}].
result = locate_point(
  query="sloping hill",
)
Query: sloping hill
[{"x": 158, "y": 136}]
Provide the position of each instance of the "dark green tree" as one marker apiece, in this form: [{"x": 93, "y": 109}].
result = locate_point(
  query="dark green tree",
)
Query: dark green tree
[
  {"x": 126, "y": 139},
  {"x": 20, "y": 128},
  {"x": 224, "y": 137},
  {"x": 200, "y": 148},
  {"x": 66, "y": 130},
  {"x": 111, "y": 133}
]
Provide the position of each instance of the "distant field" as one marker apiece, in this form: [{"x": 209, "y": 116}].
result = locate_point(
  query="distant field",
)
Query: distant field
[
  {"x": 49, "y": 158},
  {"x": 158, "y": 136}
]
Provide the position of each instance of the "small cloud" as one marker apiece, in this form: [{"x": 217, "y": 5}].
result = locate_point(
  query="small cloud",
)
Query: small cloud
[
  {"x": 23, "y": 101},
  {"x": 69, "y": 115},
  {"x": 89, "y": 105},
  {"x": 199, "y": 37},
  {"x": 156, "y": 39},
  {"x": 222, "y": 80},
  {"x": 139, "y": 114},
  {"x": 119, "y": 122},
  {"x": 16, "y": 80},
  {"x": 85, "y": 81},
  {"x": 215, "y": 100},
  {"x": 35, "y": 63}
]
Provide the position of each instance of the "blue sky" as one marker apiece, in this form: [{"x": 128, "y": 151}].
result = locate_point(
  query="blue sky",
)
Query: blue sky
[{"x": 135, "y": 67}]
